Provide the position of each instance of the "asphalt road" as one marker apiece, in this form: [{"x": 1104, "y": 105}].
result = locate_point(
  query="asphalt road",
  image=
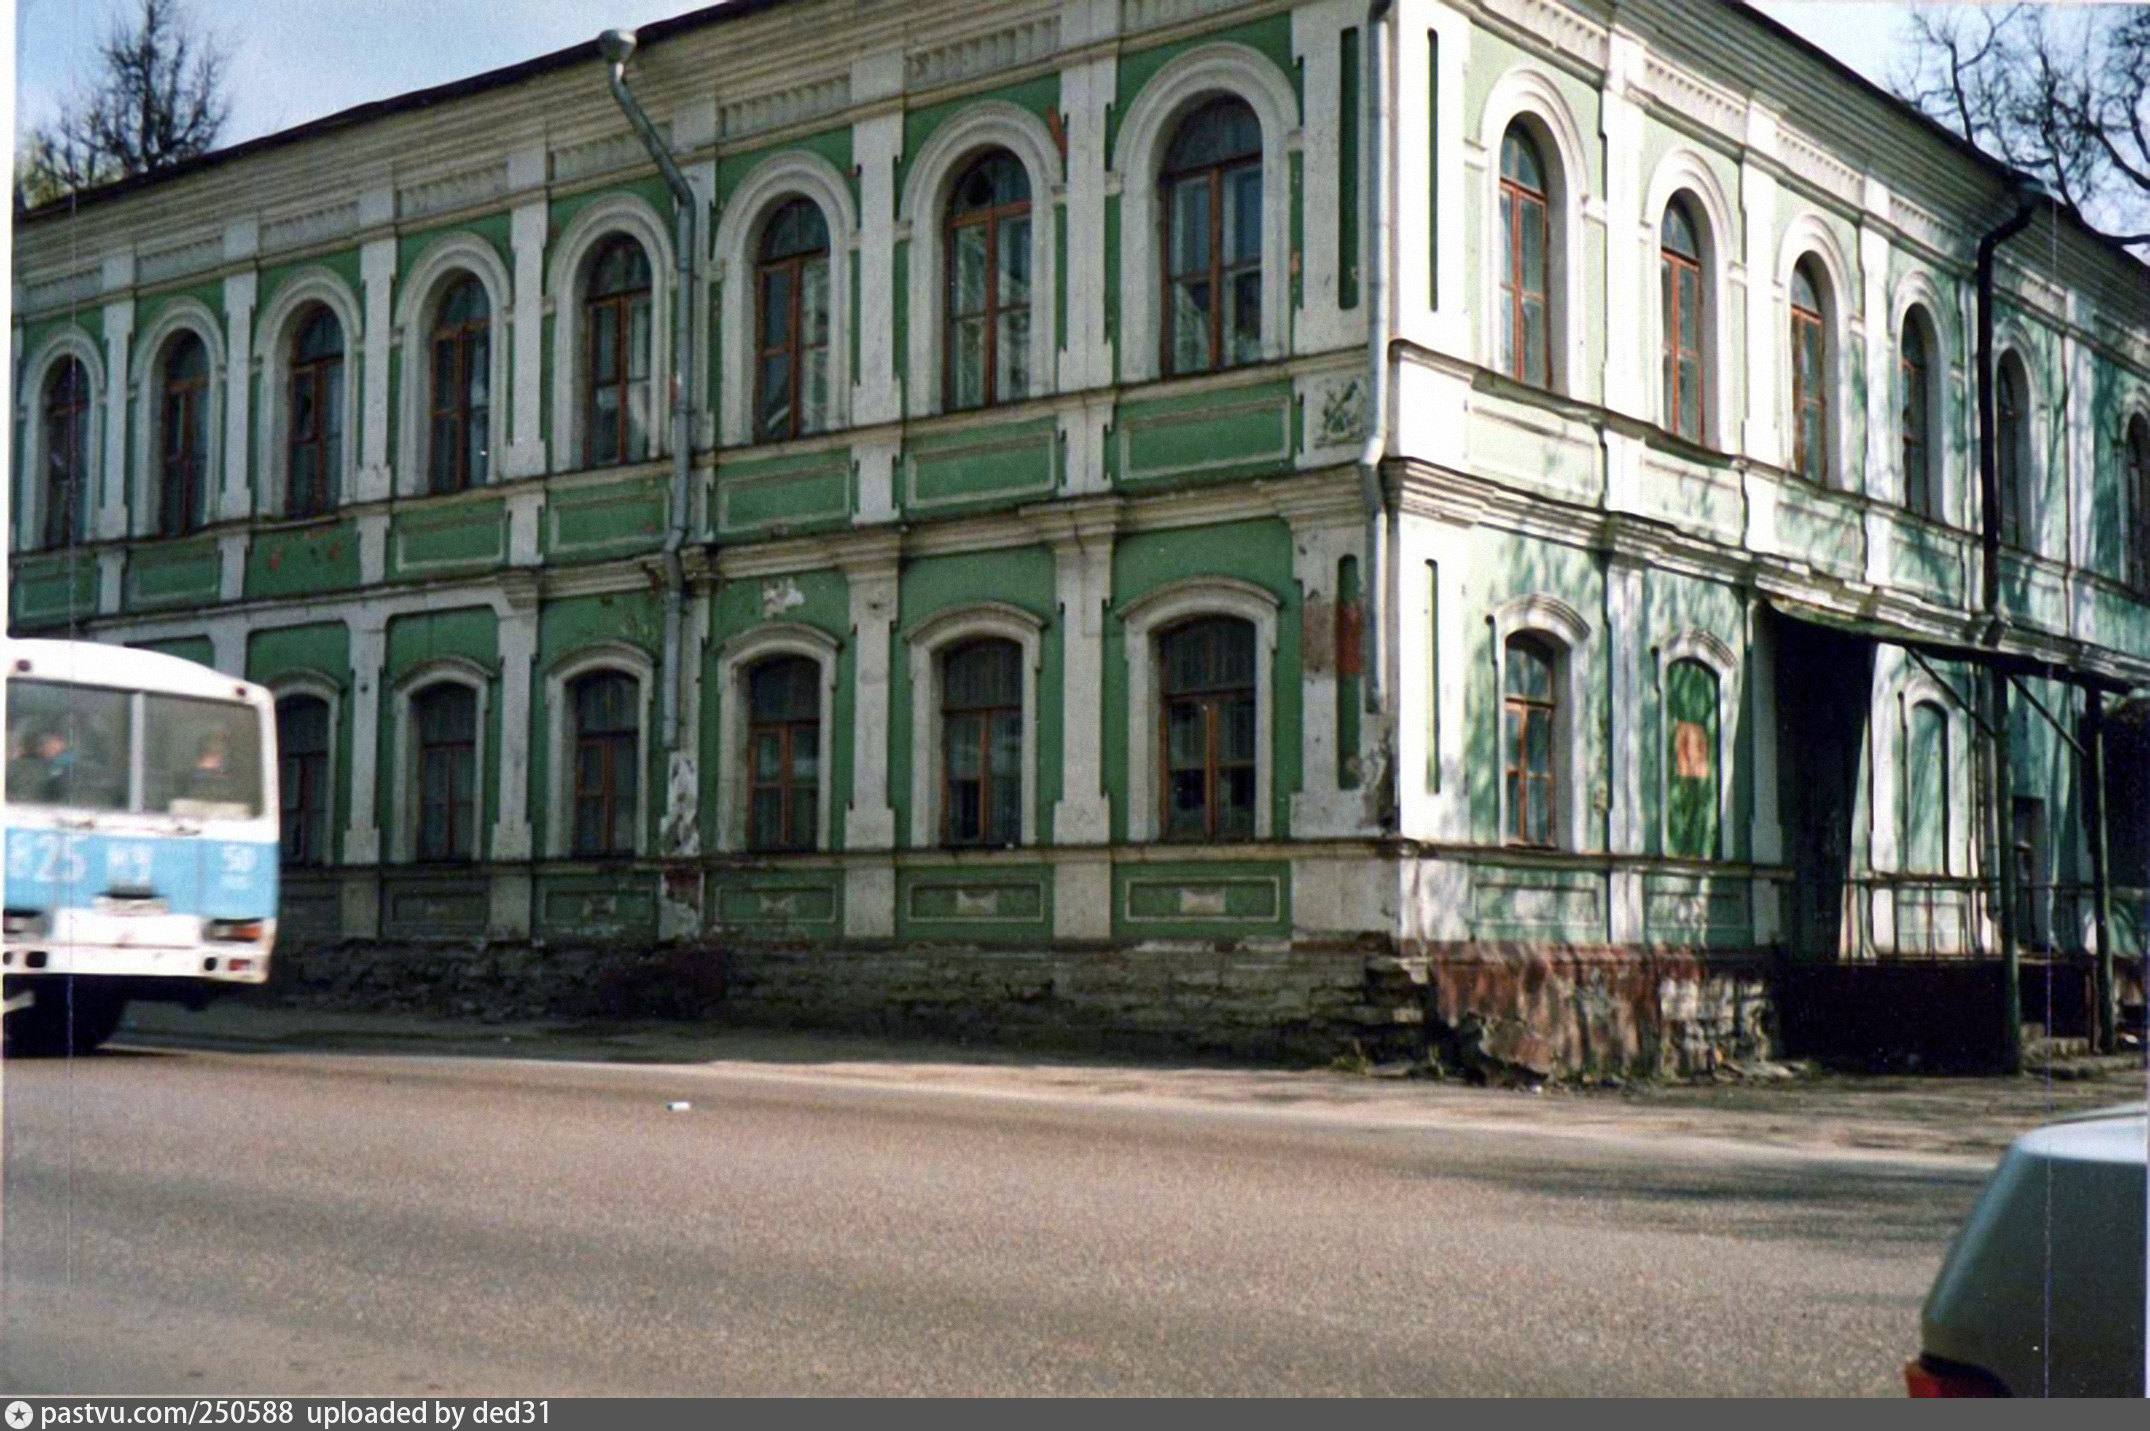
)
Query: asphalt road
[{"x": 324, "y": 1224}]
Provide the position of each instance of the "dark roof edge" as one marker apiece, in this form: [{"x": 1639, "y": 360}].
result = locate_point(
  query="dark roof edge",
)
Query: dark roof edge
[{"x": 502, "y": 78}]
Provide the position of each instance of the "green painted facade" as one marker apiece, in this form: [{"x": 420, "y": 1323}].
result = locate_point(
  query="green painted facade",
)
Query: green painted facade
[{"x": 1093, "y": 515}]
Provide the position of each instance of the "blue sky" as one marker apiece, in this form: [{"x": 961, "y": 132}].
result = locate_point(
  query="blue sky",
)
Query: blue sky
[{"x": 295, "y": 60}]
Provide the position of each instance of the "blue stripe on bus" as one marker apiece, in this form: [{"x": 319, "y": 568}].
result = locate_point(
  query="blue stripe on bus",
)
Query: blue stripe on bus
[{"x": 69, "y": 869}]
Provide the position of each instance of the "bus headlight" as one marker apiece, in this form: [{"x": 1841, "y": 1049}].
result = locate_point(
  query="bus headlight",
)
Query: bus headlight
[
  {"x": 25, "y": 924},
  {"x": 233, "y": 931}
]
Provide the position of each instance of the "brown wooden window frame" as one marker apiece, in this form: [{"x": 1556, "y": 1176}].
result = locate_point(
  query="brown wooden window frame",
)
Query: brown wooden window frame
[
  {"x": 1215, "y": 703},
  {"x": 1522, "y": 713},
  {"x": 314, "y": 388},
  {"x": 1673, "y": 265},
  {"x": 455, "y": 843},
  {"x": 793, "y": 351},
  {"x": 613, "y": 310},
  {"x": 994, "y": 219},
  {"x": 1219, "y": 274},
  {"x": 2135, "y": 466},
  {"x": 792, "y": 732},
  {"x": 66, "y": 412},
  {"x": 1914, "y": 368},
  {"x": 1523, "y": 207},
  {"x": 453, "y": 414},
  {"x": 2011, "y": 457},
  {"x": 183, "y": 439},
  {"x": 1810, "y": 330},
  {"x": 612, "y": 797},
  {"x": 984, "y": 717},
  {"x": 305, "y": 792}
]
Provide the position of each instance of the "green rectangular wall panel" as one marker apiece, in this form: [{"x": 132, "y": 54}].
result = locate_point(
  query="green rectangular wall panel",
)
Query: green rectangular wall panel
[
  {"x": 53, "y": 588},
  {"x": 177, "y": 573},
  {"x": 780, "y": 495},
  {"x": 1001, "y": 902},
  {"x": 994, "y": 463},
  {"x": 621, "y": 905},
  {"x": 1548, "y": 905},
  {"x": 776, "y": 902},
  {"x": 1235, "y": 433},
  {"x": 1201, "y": 900},
  {"x": 607, "y": 520},
  {"x": 303, "y": 561},
  {"x": 456, "y": 538}
]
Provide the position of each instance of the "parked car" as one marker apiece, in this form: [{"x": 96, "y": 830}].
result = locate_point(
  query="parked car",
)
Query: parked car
[{"x": 2042, "y": 1292}]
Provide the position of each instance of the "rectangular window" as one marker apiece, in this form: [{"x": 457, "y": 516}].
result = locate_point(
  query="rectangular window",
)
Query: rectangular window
[
  {"x": 1433, "y": 677},
  {"x": 1433, "y": 169},
  {"x": 302, "y": 748},
  {"x": 447, "y": 794},
  {"x": 1926, "y": 790},
  {"x": 1527, "y": 716}
]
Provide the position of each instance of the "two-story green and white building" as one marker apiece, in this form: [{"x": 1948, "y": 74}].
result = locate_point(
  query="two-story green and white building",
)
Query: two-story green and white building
[{"x": 1234, "y": 521}]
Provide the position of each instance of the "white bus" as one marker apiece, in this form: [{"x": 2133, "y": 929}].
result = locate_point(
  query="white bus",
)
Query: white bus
[{"x": 141, "y": 825}]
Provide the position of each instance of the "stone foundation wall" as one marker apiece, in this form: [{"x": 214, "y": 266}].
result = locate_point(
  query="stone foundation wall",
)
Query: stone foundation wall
[
  {"x": 1301, "y": 1002},
  {"x": 1569, "y": 1009}
]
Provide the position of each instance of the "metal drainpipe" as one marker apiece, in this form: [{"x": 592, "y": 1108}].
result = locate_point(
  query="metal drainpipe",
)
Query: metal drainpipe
[
  {"x": 616, "y": 46},
  {"x": 1989, "y": 492},
  {"x": 1378, "y": 340}
]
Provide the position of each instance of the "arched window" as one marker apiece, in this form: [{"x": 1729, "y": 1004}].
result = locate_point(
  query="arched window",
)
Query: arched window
[
  {"x": 1525, "y": 240},
  {"x": 783, "y": 753},
  {"x": 1922, "y": 486},
  {"x": 183, "y": 430},
  {"x": 315, "y": 442},
  {"x": 458, "y": 454},
  {"x": 1680, "y": 279},
  {"x": 988, "y": 348},
  {"x": 2137, "y": 460},
  {"x": 67, "y": 452},
  {"x": 982, "y": 743},
  {"x": 607, "y": 741},
  {"x": 1926, "y": 775},
  {"x": 616, "y": 314},
  {"x": 302, "y": 782},
  {"x": 1810, "y": 376},
  {"x": 447, "y": 743},
  {"x": 1208, "y": 735},
  {"x": 1691, "y": 774},
  {"x": 2012, "y": 455},
  {"x": 791, "y": 376},
  {"x": 1212, "y": 193},
  {"x": 1529, "y": 708}
]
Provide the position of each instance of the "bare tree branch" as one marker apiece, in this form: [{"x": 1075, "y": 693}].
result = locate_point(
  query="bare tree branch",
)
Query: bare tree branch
[
  {"x": 158, "y": 100},
  {"x": 2062, "y": 94}
]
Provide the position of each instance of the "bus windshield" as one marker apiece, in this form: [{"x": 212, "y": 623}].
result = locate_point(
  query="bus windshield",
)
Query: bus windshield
[
  {"x": 74, "y": 747},
  {"x": 200, "y": 758}
]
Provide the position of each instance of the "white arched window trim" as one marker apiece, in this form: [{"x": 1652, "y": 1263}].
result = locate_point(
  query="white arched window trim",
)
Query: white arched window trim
[
  {"x": 1916, "y": 688},
  {"x": 1916, "y": 289},
  {"x": 734, "y": 659},
  {"x": 422, "y": 289},
  {"x": 1809, "y": 237},
  {"x": 928, "y": 642},
  {"x": 1683, "y": 172},
  {"x": 443, "y": 670},
  {"x": 2011, "y": 338},
  {"x": 1200, "y": 74},
  {"x": 1530, "y": 96},
  {"x": 182, "y": 315},
  {"x": 277, "y": 326},
  {"x": 567, "y": 278},
  {"x": 1146, "y": 618},
  {"x": 68, "y": 342},
  {"x": 317, "y": 685},
  {"x": 793, "y": 174},
  {"x": 1710, "y": 651},
  {"x": 631, "y": 661},
  {"x": 1559, "y": 624},
  {"x": 993, "y": 124}
]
